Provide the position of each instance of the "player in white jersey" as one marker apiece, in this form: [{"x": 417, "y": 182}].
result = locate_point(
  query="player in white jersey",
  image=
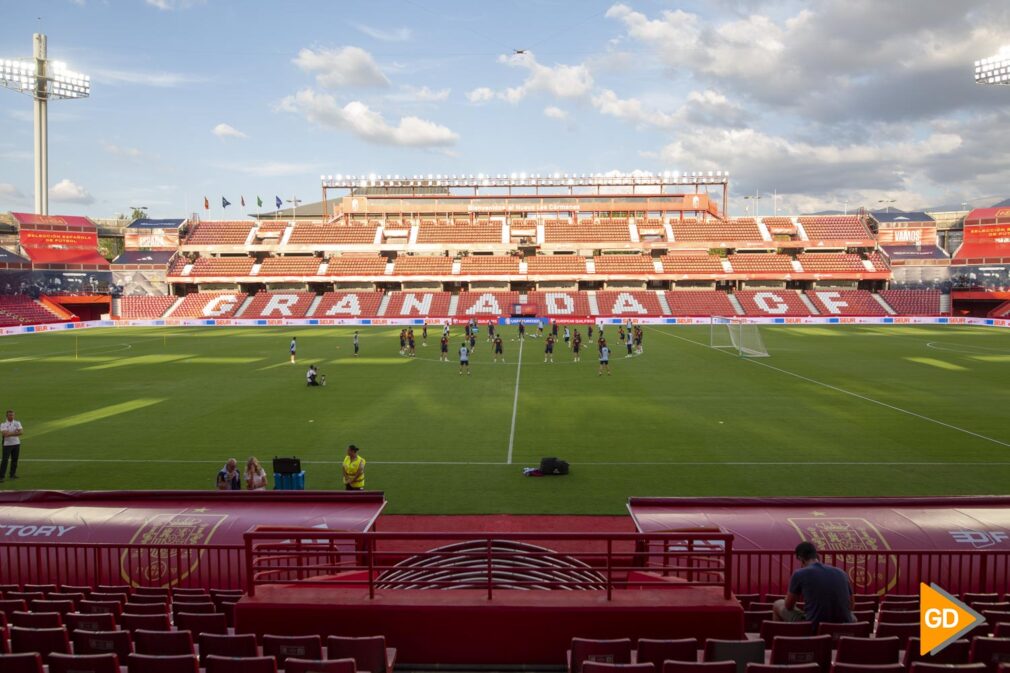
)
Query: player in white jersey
[
  {"x": 292, "y": 348},
  {"x": 604, "y": 360},
  {"x": 464, "y": 359}
]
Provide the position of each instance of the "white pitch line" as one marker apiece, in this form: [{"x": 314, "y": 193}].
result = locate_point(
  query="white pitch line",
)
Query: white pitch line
[
  {"x": 217, "y": 462},
  {"x": 848, "y": 392},
  {"x": 625, "y": 463},
  {"x": 515, "y": 402}
]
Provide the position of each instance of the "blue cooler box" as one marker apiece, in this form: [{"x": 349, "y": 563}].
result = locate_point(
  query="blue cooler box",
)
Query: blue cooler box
[{"x": 289, "y": 482}]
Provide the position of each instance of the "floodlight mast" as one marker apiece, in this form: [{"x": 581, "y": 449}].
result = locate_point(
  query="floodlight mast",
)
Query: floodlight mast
[
  {"x": 994, "y": 70},
  {"x": 42, "y": 79}
]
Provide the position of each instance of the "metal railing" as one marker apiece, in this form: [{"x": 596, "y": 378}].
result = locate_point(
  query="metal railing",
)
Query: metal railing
[
  {"x": 601, "y": 561},
  {"x": 161, "y": 565}
]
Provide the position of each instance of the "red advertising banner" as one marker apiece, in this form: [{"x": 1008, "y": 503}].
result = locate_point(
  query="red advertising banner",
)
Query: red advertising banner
[
  {"x": 902, "y": 233},
  {"x": 990, "y": 234},
  {"x": 29, "y": 219},
  {"x": 33, "y": 238}
]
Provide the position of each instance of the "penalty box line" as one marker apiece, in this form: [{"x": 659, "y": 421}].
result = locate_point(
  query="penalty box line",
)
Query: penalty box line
[{"x": 851, "y": 393}]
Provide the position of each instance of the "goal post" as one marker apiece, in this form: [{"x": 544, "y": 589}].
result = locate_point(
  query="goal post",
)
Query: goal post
[{"x": 737, "y": 334}]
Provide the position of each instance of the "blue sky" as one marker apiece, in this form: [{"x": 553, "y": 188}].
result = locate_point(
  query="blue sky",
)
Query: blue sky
[{"x": 825, "y": 102}]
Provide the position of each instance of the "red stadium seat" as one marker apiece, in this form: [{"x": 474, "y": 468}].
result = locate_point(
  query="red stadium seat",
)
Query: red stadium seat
[
  {"x": 96, "y": 621},
  {"x": 26, "y": 596},
  {"x": 43, "y": 641},
  {"x": 162, "y": 642},
  {"x": 955, "y": 653},
  {"x": 61, "y": 607},
  {"x": 972, "y": 598},
  {"x": 300, "y": 647},
  {"x": 802, "y": 650},
  {"x": 921, "y": 667},
  {"x": 657, "y": 651},
  {"x": 990, "y": 651},
  {"x": 838, "y": 629},
  {"x": 131, "y": 622},
  {"x": 599, "y": 667},
  {"x": 867, "y": 668},
  {"x": 699, "y": 667},
  {"x": 369, "y": 653},
  {"x": 770, "y": 629},
  {"x": 44, "y": 588},
  {"x": 295, "y": 665},
  {"x": 91, "y": 606},
  {"x": 119, "y": 596},
  {"x": 213, "y": 622},
  {"x": 747, "y": 599},
  {"x": 225, "y": 645},
  {"x": 73, "y": 596},
  {"x": 897, "y": 616},
  {"x": 146, "y": 599},
  {"x": 900, "y": 631},
  {"x": 100, "y": 642},
  {"x": 753, "y": 619},
  {"x": 151, "y": 591},
  {"x": 37, "y": 620},
  {"x": 9, "y": 606},
  {"x": 216, "y": 664},
  {"x": 155, "y": 607},
  {"x": 742, "y": 652},
  {"x": 76, "y": 589},
  {"x": 870, "y": 651},
  {"x": 23, "y": 662},
  {"x": 152, "y": 663},
  {"x": 83, "y": 663},
  {"x": 615, "y": 651},
  {"x": 784, "y": 668}
]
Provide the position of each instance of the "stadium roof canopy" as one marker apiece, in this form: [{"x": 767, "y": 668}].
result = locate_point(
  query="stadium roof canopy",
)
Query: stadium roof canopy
[
  {"x": 146, "y": 223},
  {"x": 899, "y": 216},
  {"x": 8, "y": 257},
  {"x": 158, "y": 257},
  {"x": 988, "y": 216}
]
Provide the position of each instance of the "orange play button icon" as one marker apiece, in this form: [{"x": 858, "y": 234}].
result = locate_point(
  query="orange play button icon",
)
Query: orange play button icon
[{"x": 942, "y": 619}]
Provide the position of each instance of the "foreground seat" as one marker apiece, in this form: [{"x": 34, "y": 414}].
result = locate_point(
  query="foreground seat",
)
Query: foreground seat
[
  {"x": 43, "y": 641},
  {"x": 84, "y": 663},
  {"x": 741, "y": 652},
  {"x": 299, "y": 647},
  {"x": 23, "y": 662},
  {"x": 655, "y": 652},
  {"x": 216, "y": 664},
  {"x": 804, "y": 650},
  {"x": 153, "y": 663},
  {"x": 225, "y": 645},
  {"x": 162, "y": 642},
  {"x": 296, "y": 665},
  {"x": 103, "y": 642},
  {"x": 370, "y": 653},
  {"x": 867, "y": 651}
]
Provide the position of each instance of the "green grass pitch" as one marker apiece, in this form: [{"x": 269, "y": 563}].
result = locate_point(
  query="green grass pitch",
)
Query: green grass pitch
[{"x": 835, "y": 410}]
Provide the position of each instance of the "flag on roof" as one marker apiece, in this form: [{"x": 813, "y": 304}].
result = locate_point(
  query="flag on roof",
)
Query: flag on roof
[
  {"x": 242, "y": 200},
  {"x": 225, "y": 202},
  {"x": 259, "y": 202},
  {"x": 278, "y": 200},
  {"x": 206, "y": 203}
]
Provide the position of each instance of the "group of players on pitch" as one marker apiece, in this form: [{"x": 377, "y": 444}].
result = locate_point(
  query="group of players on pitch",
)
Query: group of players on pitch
[{"x": 631, "y": 335}]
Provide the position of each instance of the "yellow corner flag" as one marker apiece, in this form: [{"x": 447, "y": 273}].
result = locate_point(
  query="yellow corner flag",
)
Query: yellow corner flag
[{"x": 943, "y": 619}]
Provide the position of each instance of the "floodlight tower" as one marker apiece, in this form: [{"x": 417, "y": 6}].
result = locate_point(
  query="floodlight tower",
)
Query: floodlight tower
[
  {"x": 994, "y": 69},
  {"x": 43, "y": 80}
]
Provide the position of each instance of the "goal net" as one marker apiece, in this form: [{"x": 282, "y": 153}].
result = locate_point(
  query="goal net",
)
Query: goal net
[{"x": 738, "y": 335}]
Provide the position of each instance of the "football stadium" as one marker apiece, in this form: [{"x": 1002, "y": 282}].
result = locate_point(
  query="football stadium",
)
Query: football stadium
[{"x": 615, "y": 419}]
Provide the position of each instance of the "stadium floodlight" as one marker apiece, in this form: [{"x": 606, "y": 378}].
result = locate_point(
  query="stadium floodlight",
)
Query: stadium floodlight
[
  {"x": 994, "y": 69},
  {"x": 43, "y": 80}
]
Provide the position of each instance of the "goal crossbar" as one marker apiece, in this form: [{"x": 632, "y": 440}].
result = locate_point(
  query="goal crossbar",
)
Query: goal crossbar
[{"x": 737, "y": 334}]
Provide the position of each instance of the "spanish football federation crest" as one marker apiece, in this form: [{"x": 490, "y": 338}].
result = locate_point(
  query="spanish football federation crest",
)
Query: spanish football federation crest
[
  {"x": 168, "y": 555},
  {"x": 835, "y": 535}
]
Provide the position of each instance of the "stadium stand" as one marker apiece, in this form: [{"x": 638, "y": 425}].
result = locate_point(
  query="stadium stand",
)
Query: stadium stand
[
  {"x": 624, "y": 264},
  {"x": 699, "y": 303},
  {"x": 422, "y": 265},
  {"x": 555, "y": 264},
  {"x": 597, "y": 231},
  {"x": 845, "y": 302},
  {"x": 692, "y": 264},
  {"x": 740, "y": 229},
  {"x": 777, "y": 303},
  {"x": 356, "y": 265},
  {"x": 177, "y": 265},
  {"x": 485, "y": 304},
  {"x": 628, "y": 303},
  {"x": 279, "y": 305},
  {"x": 825, "y": 262},
  {"x": 222, "y": 266},
  {"x": 418, "y": 304},
  {"x": 779, "y": 226},
  {"x": 348, "y": 305},
  {"x": 22, "y": 310},
  {"x": 140, "y": 307},
  {"x": 332, "y": 234},
  {"x": 559, "y": 304},
  {"x": 879, "y": 261},
  {"x": 219, "y": 233},
  {"x": 761, "y": 263},
  {"x": 489, "y": 265},
  {"x": 209, "y": 305},
  {"x": 835, "y": 228},
  {"x": 913, "y": 302},
  {"x": 289, "y": 266},
  {"x": 458, "y": 233}
]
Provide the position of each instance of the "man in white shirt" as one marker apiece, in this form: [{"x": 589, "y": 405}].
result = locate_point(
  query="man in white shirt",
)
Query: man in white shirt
[
  {"x": 464, "y": 360},
  {"x": 11, "y": 431}
]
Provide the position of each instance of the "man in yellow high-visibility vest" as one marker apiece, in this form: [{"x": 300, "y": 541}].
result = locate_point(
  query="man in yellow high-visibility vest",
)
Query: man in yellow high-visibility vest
[{"x": 354, "y": 470}]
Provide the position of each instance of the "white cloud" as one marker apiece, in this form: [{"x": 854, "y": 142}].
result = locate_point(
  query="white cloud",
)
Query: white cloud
[
  {"x": 366, "y": 123},
  {"x": 169, "y": 5},
  {"x": 347, "y": 66},
  {"x": 68, "y": 191},
  {"x": 554, "y": 112},
  {"x": 413, "y": 94},
  {"x": 631, "y": 110},
  {"x": 560, "y": 81},
  {"x": 271, "y": 169},
  {"x": 9, "y": 191},
  {"x": 223, "y": 130},
  {"x": 383, "y": 34},
  {"x": 120, "y": 151},
  {"x": 163, "y": 80},
  {"x": 480, "y": 95}
]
